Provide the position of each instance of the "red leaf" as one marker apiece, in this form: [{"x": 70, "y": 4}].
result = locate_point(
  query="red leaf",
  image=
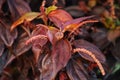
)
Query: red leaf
[
  {"x": 54, "y": 62},
  {"x": 59, "y": 17},
  {"x": 38, "y": 39},
  {"x": 90, "y": 47}
]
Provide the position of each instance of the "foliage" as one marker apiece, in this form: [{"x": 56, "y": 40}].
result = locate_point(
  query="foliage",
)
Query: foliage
[{"x": 51, "y": 44}]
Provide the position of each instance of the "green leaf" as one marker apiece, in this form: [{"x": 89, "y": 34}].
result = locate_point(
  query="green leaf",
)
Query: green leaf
[
  {"x": 49, "y": 9},
  {"x": 28, "y": 17}
]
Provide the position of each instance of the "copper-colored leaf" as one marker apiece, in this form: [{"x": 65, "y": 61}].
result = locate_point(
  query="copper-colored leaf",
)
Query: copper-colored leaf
[
  {"x": 18, "y": 8},
  {"x": 74, "y": 24},
  {"x": 5, "y": 34},
  {"x": 76, "y": 70},
  {"x": 59, "y": 17},
  {"x": 28, "y": 17},
  {"x": 90, "y": 47},
  {"x": 61, "y": 53}
]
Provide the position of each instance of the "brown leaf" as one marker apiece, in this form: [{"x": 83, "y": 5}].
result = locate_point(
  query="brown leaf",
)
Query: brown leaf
[
  {"x": 2, "y": 47},
  {"x": 54, "y": 62},
  {"x": 19, "y": 47},
  {"x": 59, "y": 17},
  {"x": 18, "y": 8},
  {"x": 28, "y": 17},
  {"x": 5, "y": 34},
  {"x": 90, "y": 47},
  {"x": 76, "y": 70}
]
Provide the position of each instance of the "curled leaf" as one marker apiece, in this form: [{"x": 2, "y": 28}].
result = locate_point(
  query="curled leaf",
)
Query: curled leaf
[
  {"x": 49, "y": 9},
  {"x": 27, "y": 16}
]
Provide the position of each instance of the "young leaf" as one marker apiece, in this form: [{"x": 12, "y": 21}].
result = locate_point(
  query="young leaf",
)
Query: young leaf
[
  {"x": 27, "y": 16},
  {"x": 49, "y": 9}
]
